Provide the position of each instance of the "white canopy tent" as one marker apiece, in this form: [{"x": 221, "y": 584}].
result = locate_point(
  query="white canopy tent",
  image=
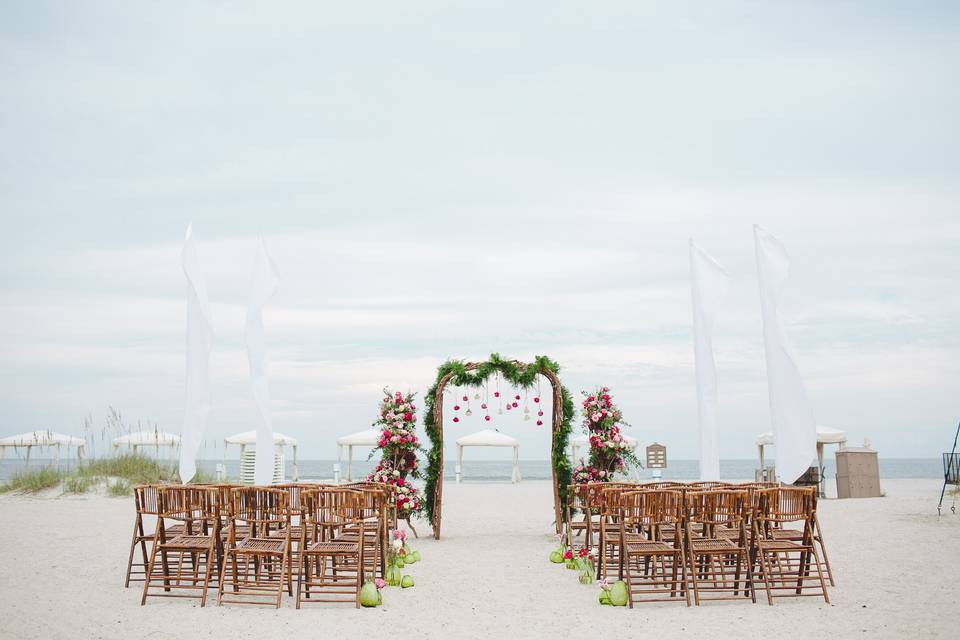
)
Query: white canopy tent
[
  {"x": 49, "y": 439},
  {"x": 583, "y": 442},
  {"x": 490, "y": 438},
  {"x": 155, "y": 439},
  {"x": 249, "y": 439},
  {"x": 825, "y": 435},
  {"x": 368, "y": 438}
]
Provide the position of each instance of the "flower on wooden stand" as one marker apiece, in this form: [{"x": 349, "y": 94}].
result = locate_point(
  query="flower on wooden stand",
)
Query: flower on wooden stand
[
  {"x": 398, "y": 444},
  {"x": 609, "y": 450}
]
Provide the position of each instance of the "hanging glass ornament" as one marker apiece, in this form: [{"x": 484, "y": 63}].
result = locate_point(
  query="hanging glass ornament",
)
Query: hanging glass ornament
[
  {"x": 468, "y": 412},
  {"x": 476, "y": 396}
]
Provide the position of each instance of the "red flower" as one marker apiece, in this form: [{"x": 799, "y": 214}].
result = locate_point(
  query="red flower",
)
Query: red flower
[
  {"x": 568, "y": 555},
  {"x": 408, "y": 417},
  {"x": 583, "y": 552},
  {"x": 399, "y": 482}
]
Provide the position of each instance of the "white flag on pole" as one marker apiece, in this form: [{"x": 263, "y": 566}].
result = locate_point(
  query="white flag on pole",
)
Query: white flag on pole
[
  {"x": 794, "y": 428},
  {"x": 708, "y": 287},
  {"x": 199, "y": 345},
  {"x": 263, "y": 286}
]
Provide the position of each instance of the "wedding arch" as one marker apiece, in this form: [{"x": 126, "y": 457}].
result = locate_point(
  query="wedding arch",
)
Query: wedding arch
[{"x": 475, "y": 374}]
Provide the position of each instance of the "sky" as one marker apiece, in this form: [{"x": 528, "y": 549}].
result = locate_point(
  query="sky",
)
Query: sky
[{"x": 444, "y": 180}]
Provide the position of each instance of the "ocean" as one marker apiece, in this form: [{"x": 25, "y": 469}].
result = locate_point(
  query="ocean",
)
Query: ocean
[{"x": 499, "y": 470}]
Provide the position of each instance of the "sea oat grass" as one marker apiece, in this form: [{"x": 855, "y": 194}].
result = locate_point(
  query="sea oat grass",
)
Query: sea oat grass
[{"x": 32, "y": 481}]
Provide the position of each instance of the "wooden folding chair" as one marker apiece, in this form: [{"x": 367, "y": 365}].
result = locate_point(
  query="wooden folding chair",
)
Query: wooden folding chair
[
  {"x": 147, "y": 502},
  {"x": 796, "y": 535},
  {"x": 379, "y": 507},
  {"x": 255, "y": 568},
  {"x": 608, "y": 526},
  {"x": 331, "y": 567},
  {"x": 718, "y": 562},
  {"x": 188, "y": 550},
  {"x": 655, "y": 570},
  {"x": 586, "y": 500},
  {"x": 784, "y": 566}
]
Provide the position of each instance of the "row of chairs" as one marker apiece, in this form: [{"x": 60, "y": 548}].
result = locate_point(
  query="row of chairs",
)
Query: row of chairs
[
  {"x": 248, "y": 542},
  {"x": 713, "y": 540}
]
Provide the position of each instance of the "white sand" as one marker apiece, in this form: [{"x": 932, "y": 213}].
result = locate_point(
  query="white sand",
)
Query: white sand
[{"x": 896, "y": 564}]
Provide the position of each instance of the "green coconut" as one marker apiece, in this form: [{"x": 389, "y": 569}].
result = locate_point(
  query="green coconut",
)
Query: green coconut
[
  {"x": 416, "y": 555},
  {"x": 604, "y": 596},
  {"x": 407, "y": 582},
  {"x": 410, "y": 558},
  {"x": 369, "y": 596},
  {"x": 618, "y": 594},
  {"x": 400, "y": 563},
  {"x": 556, "y": 557}
]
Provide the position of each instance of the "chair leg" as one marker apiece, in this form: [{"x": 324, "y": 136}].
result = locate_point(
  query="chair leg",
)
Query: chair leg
[
  {"x": 629, "y": 577},
  {"x": 280, "y": 579},
  {"x": 765, "y": 567},
  {"x": 206, "y": 577},
  {"x": 146, "y": 579},
  {"x": 819, "y": 538},
  {"x": 133, "y": 546}
]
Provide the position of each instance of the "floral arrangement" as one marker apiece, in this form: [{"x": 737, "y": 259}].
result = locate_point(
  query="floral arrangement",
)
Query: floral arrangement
[
  {"x": 585, "y": 565},
  {"x": 609, "y": 451},
  {"x": 399, "y": 555},
  {"x": 399, "y": 445}
]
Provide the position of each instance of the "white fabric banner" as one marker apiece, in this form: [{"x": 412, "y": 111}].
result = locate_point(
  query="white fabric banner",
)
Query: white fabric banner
[
  {"x": 199, "y": 345},
  {"x": 263, "y": 286},
  {"x": 708, "y": 287},
  {"x": 794, "y": 428}
]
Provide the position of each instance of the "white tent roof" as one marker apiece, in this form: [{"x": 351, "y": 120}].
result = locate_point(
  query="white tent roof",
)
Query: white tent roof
[
  {"x": 148, "y": 438},
  {"x": 41, "y": 439},
  {"x": 368, "y": 438},
  {"x": 487, "y": 438},
  {"x": 583, "y": 440},
  {"x": 250, "y": 437},
  {"x": 825, "y": 435}
]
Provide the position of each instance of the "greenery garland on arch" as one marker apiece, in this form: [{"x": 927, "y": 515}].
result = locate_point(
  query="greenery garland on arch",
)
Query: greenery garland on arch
[{"x": 523, "y": 375}]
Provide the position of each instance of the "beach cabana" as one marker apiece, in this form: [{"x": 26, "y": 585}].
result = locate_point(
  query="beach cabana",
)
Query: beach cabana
[
  {"x": 825, "y": 436},
  {"x": 41, "y": 439},
  {"x": 248, "y": 441},
  {"x": 583, "y": 442},
  {"x": 138, "y": 439},
  {"x": 367, "y": 438},
  {"x": 490, "y": 438}
]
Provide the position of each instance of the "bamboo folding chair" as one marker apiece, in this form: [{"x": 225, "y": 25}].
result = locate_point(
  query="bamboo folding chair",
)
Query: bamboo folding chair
[
  {"x": 187, "y": 550},
  {"x": 784, "y": 566},
  {"x": 258, "y": 565},
  {"x": 147, "y": 503},
  {"x": 587, "y": 500},
  {"x": 796, "y": 535},
  {"x": 608, "y": 498},
  {"x": 376, "y": 513},
  {"x": 331, "y": 568},
  {"x": 718, "y": 562},
  {"x": 655, "y": 570}
]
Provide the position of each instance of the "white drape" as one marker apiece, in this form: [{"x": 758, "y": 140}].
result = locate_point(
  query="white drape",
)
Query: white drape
[
  {"x": 199, "y": 345},
  {"x": 263, "y": 286},
  {"x": 708, "y": 287},
  {"x": 794, "y": 428}
]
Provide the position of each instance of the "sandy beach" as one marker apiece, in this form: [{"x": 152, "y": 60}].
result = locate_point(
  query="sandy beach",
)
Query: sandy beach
[{"x": 63, "y": 560}]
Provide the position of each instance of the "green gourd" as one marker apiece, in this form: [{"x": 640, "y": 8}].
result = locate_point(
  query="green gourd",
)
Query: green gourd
[
  {"x": 407, "y": 582},
  {"x": 618, "y": 594},
  {"x": 369, "y": 596}
]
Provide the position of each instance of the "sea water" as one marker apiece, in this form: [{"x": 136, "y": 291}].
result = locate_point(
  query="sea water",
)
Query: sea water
[{"x": 499, "y": 470}]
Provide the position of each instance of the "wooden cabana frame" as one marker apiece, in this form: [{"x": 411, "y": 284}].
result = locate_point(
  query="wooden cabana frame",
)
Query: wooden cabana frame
[{"x": 558, "y": 423}]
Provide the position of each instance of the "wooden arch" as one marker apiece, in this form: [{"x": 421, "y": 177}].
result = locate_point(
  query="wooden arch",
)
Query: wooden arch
[{"x": 556, "y": 419}]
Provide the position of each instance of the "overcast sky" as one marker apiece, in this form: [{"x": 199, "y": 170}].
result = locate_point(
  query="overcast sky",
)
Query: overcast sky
[{"x": 440, "y": 180}]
